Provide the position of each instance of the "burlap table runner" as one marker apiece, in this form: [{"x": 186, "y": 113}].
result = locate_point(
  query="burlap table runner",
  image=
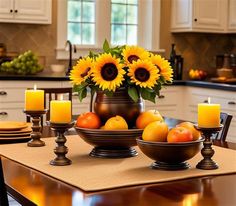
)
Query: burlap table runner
[{"x": 91, "y": 174}]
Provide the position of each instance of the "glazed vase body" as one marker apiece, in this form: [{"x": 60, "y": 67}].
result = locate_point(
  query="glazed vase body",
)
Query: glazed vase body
[{"x": 118, "y": 104}]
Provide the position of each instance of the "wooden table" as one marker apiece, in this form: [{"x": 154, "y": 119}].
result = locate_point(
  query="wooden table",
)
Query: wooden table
[{"x": 30, "y": 187}]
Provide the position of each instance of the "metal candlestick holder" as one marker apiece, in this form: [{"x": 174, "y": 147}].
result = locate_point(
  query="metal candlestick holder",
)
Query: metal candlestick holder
[
  {"x": 61, "y": 150},
  {"x": 207, "y": 152},
  {"x": 36, "y": 128}
]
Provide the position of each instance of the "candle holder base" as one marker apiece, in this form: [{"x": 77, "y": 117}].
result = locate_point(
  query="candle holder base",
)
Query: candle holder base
[
  {"x": 61, "y": 150},
  {"x": 207, "y": 152},
  {"x": 36, "y": 128}
]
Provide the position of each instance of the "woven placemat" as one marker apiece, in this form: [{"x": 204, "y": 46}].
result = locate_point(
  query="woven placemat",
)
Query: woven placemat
[{"x": 93, "y": 174}]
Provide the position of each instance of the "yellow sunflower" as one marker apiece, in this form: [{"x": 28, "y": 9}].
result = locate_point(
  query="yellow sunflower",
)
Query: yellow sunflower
[
  {"x": 163, "y": 66},
  {"x": 107, "y": 72},
  {"x": 81, "y": 71},
  {"x": 134, "y": 53},
  {"x": 143, "y": 73}
]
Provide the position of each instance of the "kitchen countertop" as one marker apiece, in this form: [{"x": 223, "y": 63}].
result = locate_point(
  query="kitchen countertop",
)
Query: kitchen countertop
[{"x": 60, "y": 77}]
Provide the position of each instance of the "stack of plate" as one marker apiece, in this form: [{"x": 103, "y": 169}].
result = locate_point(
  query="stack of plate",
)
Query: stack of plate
[{"x": 11, "y": 132}]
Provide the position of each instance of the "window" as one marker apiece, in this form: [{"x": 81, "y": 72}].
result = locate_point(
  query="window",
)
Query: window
[
  {"x": 87, "y": 23},
  {"x": 81, "y": 21},
  {"x": 124, "y": 22}
]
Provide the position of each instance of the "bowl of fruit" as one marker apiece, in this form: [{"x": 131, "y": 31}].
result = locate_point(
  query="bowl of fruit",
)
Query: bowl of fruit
[
  {"x": 25, "y": 64},
  {"x": 170, "y": 149},
  {"x": 112, "y": 140},
  {"x": 197, "y": 74}
]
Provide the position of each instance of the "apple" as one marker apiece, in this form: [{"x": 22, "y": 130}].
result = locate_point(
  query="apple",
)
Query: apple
[
  {"x": 155, "y": 131},
  {"x": 188, "y": 125},
  {"x": 147, "y": 117},
  {"x": 179, "y": 134}
]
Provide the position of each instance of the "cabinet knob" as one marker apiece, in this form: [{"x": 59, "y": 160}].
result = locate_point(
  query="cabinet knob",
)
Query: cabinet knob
[
  {"x": 195, "y": 20},
  {"x": 161, "y": 96},
  {"x": 231, "y": 102},
  {"x": 16, "y": 11},
  {"x": 205, "y": 101},
  {"x": 3, "y": 113},
  {"x": 3, "y": 93},
  {"x": 11, "y": 11}
]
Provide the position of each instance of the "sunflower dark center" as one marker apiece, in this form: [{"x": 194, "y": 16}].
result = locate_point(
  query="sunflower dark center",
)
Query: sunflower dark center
[
  {"x": 141, "y": 74},
  {"x": 85, "y": 73},
  {"x": 109, "y": 72},
  {"x": 132, "y": 58}
]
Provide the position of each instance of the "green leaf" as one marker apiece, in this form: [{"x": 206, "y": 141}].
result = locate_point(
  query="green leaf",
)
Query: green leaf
[
  {"x": 133, "y": 93},
  {"x": 147, "y": 95},
  {"x": 106, "y": 46},
  {"x": 82, "y": 94},
  {"x": 108, "y": 93}
]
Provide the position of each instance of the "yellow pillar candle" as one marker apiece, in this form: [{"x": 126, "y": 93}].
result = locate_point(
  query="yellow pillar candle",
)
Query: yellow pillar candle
[
  {"x": 208, "y": 115},
  {"x": 34, "y": 99},
  {"x": 60, "y": 111}
]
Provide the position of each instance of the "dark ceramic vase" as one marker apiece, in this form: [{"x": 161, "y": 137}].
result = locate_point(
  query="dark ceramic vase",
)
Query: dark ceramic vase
[{"x": 118, "y": 104}]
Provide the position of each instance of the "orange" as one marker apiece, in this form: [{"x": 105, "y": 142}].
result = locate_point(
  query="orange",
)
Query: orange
[
  {"x": 115, "y": 123},
  {"x": 155, "y": 131},
  {"x": 179, "y": 134},
  {"x": 88, "y": 120},
  {"x": 147, "y": 117}
]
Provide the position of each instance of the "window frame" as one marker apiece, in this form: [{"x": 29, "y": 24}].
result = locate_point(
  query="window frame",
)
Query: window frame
[{"x": 148, "y": 19}]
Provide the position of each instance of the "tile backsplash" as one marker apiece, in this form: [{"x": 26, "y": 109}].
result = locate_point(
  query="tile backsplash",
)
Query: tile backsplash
[{"x": 199, "y": 50}]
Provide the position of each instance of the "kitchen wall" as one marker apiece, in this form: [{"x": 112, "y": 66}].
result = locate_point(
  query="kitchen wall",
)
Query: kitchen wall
[{"x": 198, "y": 49}]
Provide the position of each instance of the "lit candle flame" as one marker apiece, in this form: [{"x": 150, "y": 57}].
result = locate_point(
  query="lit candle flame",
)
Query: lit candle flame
[
  {"x": 209, "y": 100},
  {"x": 35, "y": 87},
  {"x": 60, "y": 97}
]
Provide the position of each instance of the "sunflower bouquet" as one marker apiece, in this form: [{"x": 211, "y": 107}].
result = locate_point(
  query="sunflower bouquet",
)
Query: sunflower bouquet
[{"x": 141, "y": 72}]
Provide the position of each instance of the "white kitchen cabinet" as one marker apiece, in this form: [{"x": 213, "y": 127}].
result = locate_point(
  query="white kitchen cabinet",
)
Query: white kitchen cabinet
[
  {"x": 226, "y": 99},
  {"x": 232, "y": 16},
  {"x": 169, "y": 103},
  {"x": 215, "y": 16},
  {"x": 26, "y": 11}
]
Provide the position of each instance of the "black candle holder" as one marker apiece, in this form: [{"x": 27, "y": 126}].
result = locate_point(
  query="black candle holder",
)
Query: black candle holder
[
  {"x": 207, "y": 152},
  {"x": 61, "y": 150},
  {"x": 36, "y": 134}
]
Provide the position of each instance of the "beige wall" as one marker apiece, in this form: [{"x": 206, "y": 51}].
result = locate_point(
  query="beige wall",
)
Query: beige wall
[{"x": 198, "y": 49}]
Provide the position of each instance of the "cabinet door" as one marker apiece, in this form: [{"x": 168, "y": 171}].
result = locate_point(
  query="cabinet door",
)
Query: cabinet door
[
  {"x": 232, "y": 16},
  {"x": 209, "y": 15},
  {"x": 181, "y": 15},
  {"x": 33, "y": 11},
  {"x": 6, "y": 9}
]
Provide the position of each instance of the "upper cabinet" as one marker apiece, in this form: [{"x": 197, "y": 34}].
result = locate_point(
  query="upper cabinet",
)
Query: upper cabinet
[
  {"x": 26, "y": 11},
  {"x": 216, "y": 16}
]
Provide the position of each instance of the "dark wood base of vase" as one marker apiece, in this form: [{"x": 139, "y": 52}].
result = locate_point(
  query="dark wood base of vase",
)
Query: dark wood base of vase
[
  {"x": 113, "y": 152},
  {"x": 167, "y": 166}
]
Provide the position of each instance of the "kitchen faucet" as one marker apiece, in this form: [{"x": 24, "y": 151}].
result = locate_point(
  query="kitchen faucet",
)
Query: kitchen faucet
[{"x": 68, "y": 42}]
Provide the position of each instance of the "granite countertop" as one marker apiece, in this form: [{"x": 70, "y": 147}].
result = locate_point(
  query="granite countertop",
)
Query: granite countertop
[{"x": 61, "y": 77}]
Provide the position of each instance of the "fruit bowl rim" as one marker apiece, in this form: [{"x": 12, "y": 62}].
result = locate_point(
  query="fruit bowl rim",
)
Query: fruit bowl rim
[
  {"x": 155, "y": 143},
  {"x": 109, "y": 131}
]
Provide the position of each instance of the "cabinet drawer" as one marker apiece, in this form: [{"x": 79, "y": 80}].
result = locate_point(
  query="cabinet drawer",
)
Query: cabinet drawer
[
  {"x": 12, "y": 114},
  {"x": 11, "y": 95}
]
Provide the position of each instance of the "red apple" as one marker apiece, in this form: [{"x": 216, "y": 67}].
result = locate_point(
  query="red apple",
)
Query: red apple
[{"x": 179, "y": 134}]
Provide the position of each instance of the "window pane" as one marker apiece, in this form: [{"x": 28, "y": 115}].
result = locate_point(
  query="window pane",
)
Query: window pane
[
  {"x": 132, "y": 1},
  {"x": 88, "y": 12},
  {"x": 132, "y": 33},
  {"x": 74, "y": 33},
  {"x": 74, "y": 11},
  {"x": 118, "y": 14},
  {"x": 118, "y": 34},
  {"x": 119, "y": 1},
  {"x": 88, "y": 31},
  {"x": 132, "y": 15}
]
